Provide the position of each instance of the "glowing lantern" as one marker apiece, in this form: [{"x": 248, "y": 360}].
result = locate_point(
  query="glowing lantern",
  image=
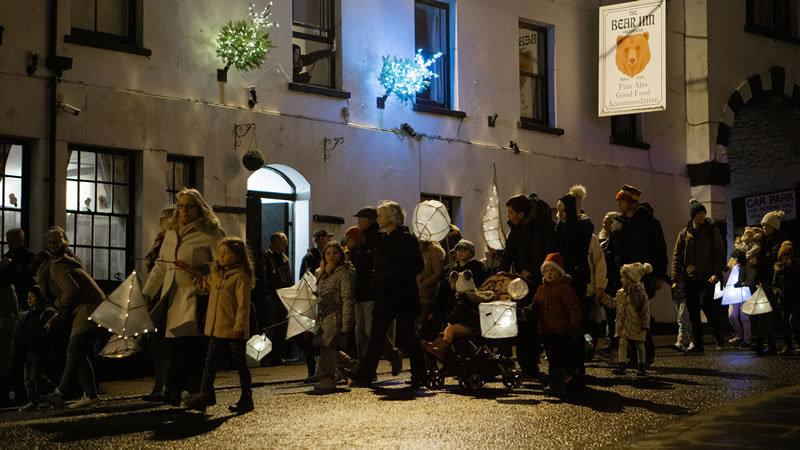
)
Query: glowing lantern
[
  {"x": 498, "y": 319},
  {"x": 718, "y": 291},
  {"x": 120, "y": 347},
  {"x": 431, "y": 221},
  {"x": 124, "y": 312},
  {"x": 517, "y": 288},
  {"x": 732, "y": 295},
  {"x": 258, "y": 347},
  {"x": 300, "y": 302},
  {"x": 493, "y": 221},
  {"x": 757, "y": 304}
]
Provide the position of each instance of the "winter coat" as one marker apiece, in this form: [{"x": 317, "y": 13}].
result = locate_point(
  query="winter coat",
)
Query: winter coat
[
  {"x": 21, "y": 272},
  {"x": 335, "y": 308},
  {"x": 228, "y": 301},
  {"x": 640, "y": 239},
  {"x": 397, "y": 263},
  {"x": 428, "y": 280},
  {"x": 447, "y": 296},
  {"x": 612, "y": 271},
  {"x": 31, "y": 335},
  {"x": 311, "y": 261},
  {"x": 770, "y": 245},
  {"x": 361, "y": 258},
  {"x": 197, "y": 248},
  {"x": 633, "y": 312},
  {"x": 72, "y": 291},
  {"x": 557, "y": 307},
  {"x": 573, "y": 237},
  {"x": 528, "y": 243},
  {"x": 786, "y": 284},
  {"x": 9, "y": 308},
  {"x": 699, "y": 253},
  {"x": 597, "y": 267}
]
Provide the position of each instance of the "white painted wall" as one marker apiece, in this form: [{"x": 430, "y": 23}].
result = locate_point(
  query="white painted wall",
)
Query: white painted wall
[{"x": 172, "y": 103}]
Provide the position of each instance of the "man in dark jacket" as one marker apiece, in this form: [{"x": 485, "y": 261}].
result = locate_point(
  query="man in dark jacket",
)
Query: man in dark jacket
[
  {"x": 528, "y": 242},
  {"x": 397, "y": 262},
  {"x": 19, "y": 261},
  {"x": 276, "y": 275},
  {"x": 637, "y": 236},
  {"x": 314, "y": 256},
  {"x": 697, "y": 262}
]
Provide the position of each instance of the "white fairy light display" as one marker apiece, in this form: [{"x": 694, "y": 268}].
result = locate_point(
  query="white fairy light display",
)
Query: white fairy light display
[
  {"x": 300, "y": 302},
  {"x": 493, "y": 220},
  {"x": 431, "y": 222},
  {"x": 258, "y": 347},
  {"x": 124, "y": 312},
  {"x": 405, "y": 77}
]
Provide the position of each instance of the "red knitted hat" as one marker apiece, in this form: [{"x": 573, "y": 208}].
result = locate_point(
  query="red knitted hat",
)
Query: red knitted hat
[
  {"x": 555, "y": 261},
  {"x": 354, "y": 232}
]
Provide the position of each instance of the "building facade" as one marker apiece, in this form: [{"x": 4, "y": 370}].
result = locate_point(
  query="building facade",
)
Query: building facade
[{"x": 517, "y": 88}]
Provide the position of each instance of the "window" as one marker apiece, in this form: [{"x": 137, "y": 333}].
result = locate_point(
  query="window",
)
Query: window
[
  {"x": 314, "y": 42},
  {"x": 534, "y": 90},
  {"x": 432, "y": 36},
  {"x": 99, "y": 216},
  {"x": 450, "y": 203},
  {"x": 180, "y": 174},
  {"x": 11, "y": 190},
  {"x": 626, "y": 129},
  {"x": 774, "y": 18},
  {"x": 109, "y": 24}
]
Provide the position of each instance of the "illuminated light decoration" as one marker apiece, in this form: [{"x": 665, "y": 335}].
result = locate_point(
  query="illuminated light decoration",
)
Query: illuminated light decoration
[
  {"x": 493, "y": 219},
  {"x": 518, "y": 289},
  {"x": 732, "y": 295},
  {"x": 124, "y": 313},
  {"x": 244, "y": 44},
  {"x": 406, "y": 77},
  {"x": 430, "y": 222},
  {"x": 258, "y": 347},
  {"x": 757, "y": 304},
  {"x": 498, "y": 319},
  {"x": 300, "y": 303},
  {"x": 120, "y": 347}
]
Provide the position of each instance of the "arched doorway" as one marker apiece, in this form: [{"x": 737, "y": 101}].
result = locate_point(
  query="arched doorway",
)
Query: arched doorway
[{"x": 278, "y": 200}]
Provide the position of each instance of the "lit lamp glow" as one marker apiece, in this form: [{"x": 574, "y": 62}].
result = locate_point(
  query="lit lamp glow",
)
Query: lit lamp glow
[
  {"x": 300, "y": 303},
  {"x": 498, "y": 319},
  {"x": 258, "y": 347},
  {"x": 244, "y": 44},
  {"x": 431, "y": 222},
  {"x": 758, "y": 303},
  {"x": 124, "y": 313},
  {"x": 406, "y": 77}
]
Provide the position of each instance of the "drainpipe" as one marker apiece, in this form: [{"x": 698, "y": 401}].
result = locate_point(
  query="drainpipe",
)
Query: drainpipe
[{"x": 51, "y": 209}]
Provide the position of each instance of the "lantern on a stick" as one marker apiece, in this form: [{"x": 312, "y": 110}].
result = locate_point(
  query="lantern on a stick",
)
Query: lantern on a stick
[
  {"x": 431, "y": 222},
  {"x": 300, "y": 303},
  {"x": 498, "y": 319},
  {"x": 493, "y": 219},
  {"x": 758, "y": 303},
  {"x": 258, "y": 347}
]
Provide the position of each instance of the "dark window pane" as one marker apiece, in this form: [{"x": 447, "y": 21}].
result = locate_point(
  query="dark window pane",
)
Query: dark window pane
[
  {"x": 83, "y": 229},
  {"x": 431, "y": 36},
  {"x": 82, "y": 14},
  {"x": 118, "y": 237},
  {"x": 121, "y": 199},
  {"x": 100, "y": 264},
  {"x": 112, "y": 17},
  {"x": 120, "y": 169}
]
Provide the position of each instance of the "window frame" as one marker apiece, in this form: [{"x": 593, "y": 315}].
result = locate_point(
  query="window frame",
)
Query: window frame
[
  {"x": 635, "y": 137},
  {"x": 333, "y": 59},
  {"x": 446, "y": 59},
  {"x": 783, "y": 31},
  {"x": 130, "y": 43},
  {"x": 543, "y": 75},
  {"x": 110, "y": 283},
  {"x": 24, "y": 177},
  {"x": 190, "y": 164}
]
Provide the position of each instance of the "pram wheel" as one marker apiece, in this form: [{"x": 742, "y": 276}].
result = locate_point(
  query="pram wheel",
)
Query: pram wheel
[
  {"x": 435, "y": 379},
  {"x": 472, "y": 381},
  {"x": 513, "y": 379}
]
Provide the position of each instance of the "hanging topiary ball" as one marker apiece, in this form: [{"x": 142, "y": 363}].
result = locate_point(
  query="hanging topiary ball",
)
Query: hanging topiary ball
[
  {"x": 245, "y": 44},
  {"x": 253, "y": 160}
]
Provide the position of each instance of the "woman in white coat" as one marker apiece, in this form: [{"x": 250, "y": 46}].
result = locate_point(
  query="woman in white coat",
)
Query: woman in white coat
[{"x": 192, "y": 236}]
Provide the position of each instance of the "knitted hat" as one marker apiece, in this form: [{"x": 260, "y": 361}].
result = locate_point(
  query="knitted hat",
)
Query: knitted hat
[
  {"x": 629, "y": 192},
  {"x": 367, "y": 212},
  {"x": 695, "y": 207},
  {"x": 555, "y": 261},
  {"x": 786, "y": 250},
  {"x": 467, "y": 245},
  {"x": 773, "y": 219},
  {"x": 354, "y": 232},
  {"x": 636, "y": 271}
]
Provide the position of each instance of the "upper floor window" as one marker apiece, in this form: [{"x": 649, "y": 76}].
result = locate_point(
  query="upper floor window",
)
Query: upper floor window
[
  {"x": 180, "y": 174},
  {"x": 432, "y": 35},
  {"x": 534, "y": 83},
  {"x": 11, "y": 190},
  {"x": 775, "y": 18},
  {"x": 109, "y": 24},
  {"x": 626, "y": 129},
  {"x": 314, "y": 42},
  {"x": 99, "y": 213}
]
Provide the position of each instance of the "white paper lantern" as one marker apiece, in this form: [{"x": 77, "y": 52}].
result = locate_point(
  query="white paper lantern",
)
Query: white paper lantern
[
  {"x": 120, "y": 347},
  {"x": 124, "y": 312},
  {"x": 518, "y": 288},
  {"x": 258, "y": 347},
  {"x": 732, "y": 295},
  {"x": 498, "y": 319},
  {"x": 757, "y": 304},
  {"x": 300, "y": 303},
  {"x": 493, "y": 222},
  {"x": 431, "y": 222},
  {"x": 718, "y": 291}
]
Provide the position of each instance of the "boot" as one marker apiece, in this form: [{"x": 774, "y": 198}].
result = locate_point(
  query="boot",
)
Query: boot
[
  {"x": 244, "y": 405},
  {"x": 326, "y": 383},
  {"x": 787, "y": 350},
  {"x": 620, "y": 370},
  {"x": 197, "y": 401},
  {"x": 641, "y": 372}
]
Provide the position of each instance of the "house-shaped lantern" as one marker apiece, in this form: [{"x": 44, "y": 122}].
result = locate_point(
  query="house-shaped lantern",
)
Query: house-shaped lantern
[
  {"x": 498, "y": 319},
  {"x": 258, "y": 347}
]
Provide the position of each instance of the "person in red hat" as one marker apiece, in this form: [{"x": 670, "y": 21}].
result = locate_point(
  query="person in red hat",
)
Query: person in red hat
[{"x": 558, "y": 311}]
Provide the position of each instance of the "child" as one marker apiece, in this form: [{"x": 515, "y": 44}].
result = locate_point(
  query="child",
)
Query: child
[
  {"x": 31, "y": 343},
  {"x": 633, "y": 314},
  {"x": 227, "y": 320},
  {"x": 746, "y": 254},
  {"x": 786, "y": 283},
  {"x": 463, "y": 319},
  {"x": 738, "y": 319},
  {"x": 463, "y": 254},
  {"x": 558, "y": 310}
]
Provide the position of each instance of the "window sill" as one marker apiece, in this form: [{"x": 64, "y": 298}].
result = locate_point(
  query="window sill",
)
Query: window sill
[
  {"x": 628, "y": 143},
  {"x": 107, "y": 45},
  {"x": 541, "y": 128},
  {"x": 319, "y": 90},
  {"x": 440, "y": 111}
]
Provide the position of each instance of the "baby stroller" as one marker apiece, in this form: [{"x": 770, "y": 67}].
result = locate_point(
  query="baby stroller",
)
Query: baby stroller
[{"x": 471, "y": 359}]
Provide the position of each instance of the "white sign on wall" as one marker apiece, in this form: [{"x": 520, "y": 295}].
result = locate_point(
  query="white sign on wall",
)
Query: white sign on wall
[
  {"x": 632, "y": 69},
  {"x": 759, "y": 205}
]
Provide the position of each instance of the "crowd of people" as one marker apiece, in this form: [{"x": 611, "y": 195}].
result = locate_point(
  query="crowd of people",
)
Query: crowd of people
[{"x": 385, "y": 294}]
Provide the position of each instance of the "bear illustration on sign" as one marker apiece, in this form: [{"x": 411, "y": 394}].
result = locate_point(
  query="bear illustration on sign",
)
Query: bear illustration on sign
[{"x": 633, "y": 53}]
